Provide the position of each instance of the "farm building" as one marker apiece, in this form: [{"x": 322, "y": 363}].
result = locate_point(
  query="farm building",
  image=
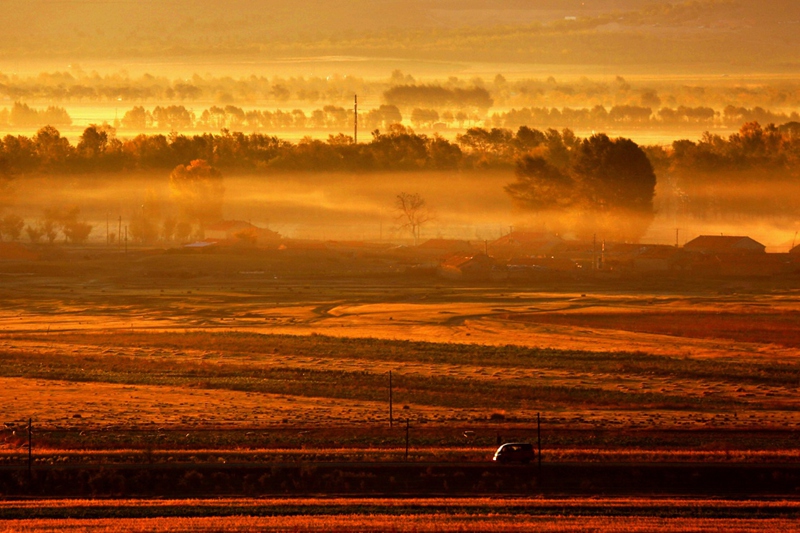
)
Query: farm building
[
  {"x": 658, "y": 258},
  {"x": 475, "y": 266},
  {"x": 518, "y": 243},
  {"x": 756, "y": 265},
  {"x": 238, "y": 230},
  {"x": 723, "y": 244},
  {"x": 541, "y": 267},
  {"x": 14, "y": 251},
  {"x": 444, "y": 247}
]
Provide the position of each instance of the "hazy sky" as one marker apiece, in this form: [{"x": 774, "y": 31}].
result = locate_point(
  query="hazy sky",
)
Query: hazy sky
[{"x": 740, "y": 33}]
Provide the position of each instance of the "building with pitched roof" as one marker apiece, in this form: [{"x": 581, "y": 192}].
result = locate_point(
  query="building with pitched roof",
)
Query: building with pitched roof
[
  {"x": 473, "y": 266},
  {"x": 724, "y": 244},
  {"x": 519, "y": 243},
  {"x": 233, "y": 230}
]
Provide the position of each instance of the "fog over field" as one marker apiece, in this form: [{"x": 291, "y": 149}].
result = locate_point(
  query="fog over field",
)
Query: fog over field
[
  {"x": 342, "y": 206},
  {"x": 307, "y": 265}
]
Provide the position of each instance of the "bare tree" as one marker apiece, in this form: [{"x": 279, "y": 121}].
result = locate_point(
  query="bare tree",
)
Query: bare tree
[{"x": 412, "y": 213}]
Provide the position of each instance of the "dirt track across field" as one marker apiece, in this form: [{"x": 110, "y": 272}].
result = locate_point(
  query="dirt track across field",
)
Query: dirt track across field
[{"x": 97, "y": 340}]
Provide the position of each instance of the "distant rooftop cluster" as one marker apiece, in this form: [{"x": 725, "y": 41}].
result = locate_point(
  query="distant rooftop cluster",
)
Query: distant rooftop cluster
[{"x": 529, "y": 255}]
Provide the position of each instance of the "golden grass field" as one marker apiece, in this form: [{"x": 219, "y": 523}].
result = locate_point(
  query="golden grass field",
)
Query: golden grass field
[
  {"x": 236, "y": 317},
  {"x": 262, "y": 357},
  {"x": 435, "y": 523},
  {"x": 418, "y": 515}
]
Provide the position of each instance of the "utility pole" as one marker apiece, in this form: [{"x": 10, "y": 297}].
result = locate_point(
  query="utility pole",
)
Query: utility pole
[
  {"x": 391, "y": 418},
  {"x": 677, "y": 230},
  {"x": 355, "y": 119},
  {"x": 603, "y": 254}
]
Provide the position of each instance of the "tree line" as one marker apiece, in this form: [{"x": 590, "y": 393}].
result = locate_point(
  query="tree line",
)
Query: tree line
[
  {"x": 55, "y": 221},
  {"x": 329, "y": 117},
  {"x": 78, "y": 86},
  {"x": 337, "y": 118},
  {"x": 569, "y": 184},
  {"x": 638, "y": 117},
  {"x": 400, "y": 89},
  {"x": 396, "y": 147},
  {"x": 438, "y": 96},
  {"x": 22, "y": 115}
]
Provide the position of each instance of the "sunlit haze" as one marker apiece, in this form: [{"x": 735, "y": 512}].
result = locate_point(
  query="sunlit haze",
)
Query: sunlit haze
[{"x": 425, "y": 266}]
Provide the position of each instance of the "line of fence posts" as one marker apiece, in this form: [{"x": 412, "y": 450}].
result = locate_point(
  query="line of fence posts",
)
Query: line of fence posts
[
  {"x": 538, "y": 427},
  {"x": 30, "y": 447},
  {"x": 407, "y": 429},
  {"x": 391, "y": 414},
  {"x": 539, "y": 443}
]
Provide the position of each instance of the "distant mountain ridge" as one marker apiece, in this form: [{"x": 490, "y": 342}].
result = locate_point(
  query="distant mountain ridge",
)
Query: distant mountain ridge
[{"x": 571, "y": 31}]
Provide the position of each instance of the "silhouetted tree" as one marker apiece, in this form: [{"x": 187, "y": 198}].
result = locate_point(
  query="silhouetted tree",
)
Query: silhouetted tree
[
  {"x": 424, "y": 117},
  {"x": 144, "y": 226},
  {"x": 136, "y": 119},
  {"x": 50, "y": 147},
  {"x": 173, "y": 117},
  {"x": 399, "y": 149},
  {"x": 437, "y": 96},
  {"x": 382, "y": 117},
  {"x": 11, "y": 227},
  {"x": 22, "y": 115},
  {"x": 66, "y": 220},
  {"x": 93, "y": 142},
  {"x": 35, "y": 233},
  {"x": 442, "y": 154},
  {"x": 488, "y": 147},
  {"x": 412, "y": 213},
  {"x": 615, "y": 173},
  {"x": 610, "y": 183},
  {"x": 616, "y": 181},
  {"x": 527, "y": 139},
  {"x": 540, "y": 186},
  {"x": 198, "y": 190}
]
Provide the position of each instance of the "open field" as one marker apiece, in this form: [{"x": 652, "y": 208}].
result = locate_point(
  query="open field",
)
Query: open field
[
  {"x": 321, "y": 376},
  {"x": 263, "y": 339},
  {"x": 415, "y": 523},
  {"x": 265, "y": 373},
  {"x": 419, "y": 515}
]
